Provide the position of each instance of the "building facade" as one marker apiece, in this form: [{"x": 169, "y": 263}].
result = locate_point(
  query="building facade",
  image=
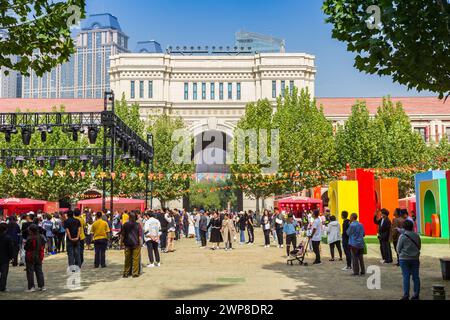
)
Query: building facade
[
  {"x": 86, "y": 74},
  {"x": 214, "y": 88}
]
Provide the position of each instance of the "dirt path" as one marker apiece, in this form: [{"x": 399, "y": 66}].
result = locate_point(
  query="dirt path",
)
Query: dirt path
[{"x": 249, "y": 272}]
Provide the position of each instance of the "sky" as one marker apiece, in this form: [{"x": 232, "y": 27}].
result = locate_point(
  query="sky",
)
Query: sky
[{"x": 213, "y": 23}]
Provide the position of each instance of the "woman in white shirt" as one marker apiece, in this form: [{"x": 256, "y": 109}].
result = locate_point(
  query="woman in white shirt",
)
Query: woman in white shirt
[{"x": 334, "y": 237}]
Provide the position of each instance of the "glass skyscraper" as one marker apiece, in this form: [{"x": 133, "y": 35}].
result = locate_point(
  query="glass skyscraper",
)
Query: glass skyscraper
[
  {"x": 259, "y": 43},
  {"x": 86, "y": 74}
]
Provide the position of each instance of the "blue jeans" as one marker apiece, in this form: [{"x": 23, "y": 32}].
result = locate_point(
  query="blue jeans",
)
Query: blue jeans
[
  {"x": 410, "y": 268},
  {"x": 73, "y": 253},
  {"x": 197, "y": 234},
  {"x": 242, "y": 233}
]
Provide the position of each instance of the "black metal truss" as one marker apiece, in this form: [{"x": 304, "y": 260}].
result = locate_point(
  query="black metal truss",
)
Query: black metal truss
[{"x": 115, "y": 130}]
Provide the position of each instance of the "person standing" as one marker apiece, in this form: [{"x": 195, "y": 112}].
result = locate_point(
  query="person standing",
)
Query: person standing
[
  {"x": 100, "y": 230},
  {"x": 197, "y": 216},
  {"x": 408, "y": 248},
  {"x": 131, "y": 235},
  {"x": 250, "y": 228},
  {"x": 13, "y": 232},
  {"x": 171, "y": 231},
  {"x": 48, "y": 226},
  {"x": 59, "y": 234},
  {"x": 384, "y": 232},
  {"x": 152, "y": 231},
  {"x": 356, "y": 235},
  {"x": 7, "y": 251},
  {"x": 203, "y": 229},
  {"x": 334, "y": 237},
  {"x": 228, "y": 230},
  {"x": 397, "y": 226},
  {"x": 216, "y": 236},
  {"x": 279, "y": 222},
  {"x": 316, "y": 236},
  {"x": 345, "y": 245},
  {"x": 242, "y": 224},
  {"x": 290, "y": 230},
  {"x": 77, "y": 215},
  {"x": 73, "y": 230},
  {"x": 185, "y": 224},
  {"x": 266, "y": 226},
  {"x": 164, "y": 230},
  {"x": 34, "y": 255}
]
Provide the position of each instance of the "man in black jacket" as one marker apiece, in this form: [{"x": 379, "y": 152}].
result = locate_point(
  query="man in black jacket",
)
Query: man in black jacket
[
  {"x": 348, "y": 255},
  {"x": 164, "y": 228},
  {"x": 384, "y": 232},
  {"x": 6, "y": 254}
]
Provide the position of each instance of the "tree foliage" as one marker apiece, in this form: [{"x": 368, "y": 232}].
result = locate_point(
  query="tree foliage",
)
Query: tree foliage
[
  {"x": 38, "y": 32},
  {"x": 306, "y": 138},
  {"x": 411, "y": 44},
  {"x": 162, "y": 127}
]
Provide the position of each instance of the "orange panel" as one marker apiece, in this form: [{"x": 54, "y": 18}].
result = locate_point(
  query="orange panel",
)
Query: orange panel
[
  {"x": 435, "y": 226},
  {"x": 387, "y": 195}
]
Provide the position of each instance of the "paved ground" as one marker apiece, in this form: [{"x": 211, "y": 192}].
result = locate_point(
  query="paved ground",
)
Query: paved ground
[{"x": 249, "y": 272}]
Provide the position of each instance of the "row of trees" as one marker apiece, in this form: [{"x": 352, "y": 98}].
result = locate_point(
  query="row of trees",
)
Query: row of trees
[{"x": 307, "y": 143}]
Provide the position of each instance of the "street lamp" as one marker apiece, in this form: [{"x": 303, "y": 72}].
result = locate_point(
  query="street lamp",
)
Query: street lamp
[{"x": 148, "y": 170}]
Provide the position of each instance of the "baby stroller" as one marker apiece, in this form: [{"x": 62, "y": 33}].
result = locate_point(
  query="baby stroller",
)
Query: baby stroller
[
  {"x": 299, "y": 253},
  {"x": 115, "y": 239}
]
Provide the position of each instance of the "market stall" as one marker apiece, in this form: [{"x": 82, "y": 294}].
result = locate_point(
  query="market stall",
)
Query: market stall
[
  {"x": 297, "y": 205},
  {"x": 408, "y": 204},
  {"x": 12, "y": 206},
  {"x": 120, "y": 204}
]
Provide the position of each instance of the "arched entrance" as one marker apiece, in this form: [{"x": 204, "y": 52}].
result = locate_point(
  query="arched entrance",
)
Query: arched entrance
[{"x": 429, "y": 206}]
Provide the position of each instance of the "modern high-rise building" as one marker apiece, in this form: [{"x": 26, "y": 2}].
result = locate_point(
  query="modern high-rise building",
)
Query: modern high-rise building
[
  {"x": 86, "y": 74},
  {"x": 8, "y": 82},
  {"x": 259, "y": 43}
]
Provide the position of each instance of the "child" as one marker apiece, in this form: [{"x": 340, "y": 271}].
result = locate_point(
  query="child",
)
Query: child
[{"x": 34, "y": 255}]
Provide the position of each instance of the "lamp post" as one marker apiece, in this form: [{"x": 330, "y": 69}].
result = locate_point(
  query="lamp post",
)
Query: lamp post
[{"x": 149, "y": 170}]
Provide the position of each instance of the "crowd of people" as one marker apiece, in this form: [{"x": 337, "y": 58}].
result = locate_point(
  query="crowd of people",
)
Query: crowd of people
[{"x": 25, "y": 240}]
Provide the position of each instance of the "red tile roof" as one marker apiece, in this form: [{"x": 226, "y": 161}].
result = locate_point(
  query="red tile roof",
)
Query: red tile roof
[
  {"x": 31, "y": 105},
  {"x": 332, "y": 106},
  {"x": 412, "y": 105}
]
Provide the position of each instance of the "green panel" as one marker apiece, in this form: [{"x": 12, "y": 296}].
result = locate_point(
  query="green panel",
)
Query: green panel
[
  {"x": 429, "y": 206},
  {"x": 444, "y": 214}
]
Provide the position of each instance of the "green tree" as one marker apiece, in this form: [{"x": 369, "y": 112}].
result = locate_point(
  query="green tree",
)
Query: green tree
[
  {"x": 306, "y": 140},
  {"x": 38, "y": 31},
  {"x": 257, "y": 119},
  {"x": 168, "y": 188},
  {"x": 355, "y": 144},
  {"x": 45, "y": 187},
  {"x": 212, "y": 196},
  {"x": 411, "y": 45}
]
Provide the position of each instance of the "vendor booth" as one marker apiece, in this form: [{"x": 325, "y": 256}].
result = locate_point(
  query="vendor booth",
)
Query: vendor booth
[
  {"x": 297, "y": 205},
  {"x": 408, "y": 204},
  {"x": 120, "y": 204},
  {"x": 21, "y": 205}
]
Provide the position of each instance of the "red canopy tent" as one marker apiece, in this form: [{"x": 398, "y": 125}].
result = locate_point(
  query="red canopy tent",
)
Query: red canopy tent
[
  {"x": 21, "y": 205},
  {"x": 120, "y": 204},
  {"x": 297, "y": 204},
  {"x": 408, "y": 204}
]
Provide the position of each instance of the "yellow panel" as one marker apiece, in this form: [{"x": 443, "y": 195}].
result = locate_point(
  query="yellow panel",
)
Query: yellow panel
[{"x": 343, "y": 196}]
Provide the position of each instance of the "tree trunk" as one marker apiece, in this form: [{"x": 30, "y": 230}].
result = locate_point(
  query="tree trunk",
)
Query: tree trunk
[
  {"x": 163, "y": 203},
  {"x": 263, "y": 200},
  {"x": 257, "y": 205}
]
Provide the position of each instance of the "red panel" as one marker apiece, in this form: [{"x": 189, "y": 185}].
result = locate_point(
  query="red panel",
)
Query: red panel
[
  {"x": 428, "y": 229},
  {"x": 366, "y": 200}
]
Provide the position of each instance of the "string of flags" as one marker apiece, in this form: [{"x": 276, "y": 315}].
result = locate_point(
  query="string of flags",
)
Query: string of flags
[{"x": 323, "y": 174}]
